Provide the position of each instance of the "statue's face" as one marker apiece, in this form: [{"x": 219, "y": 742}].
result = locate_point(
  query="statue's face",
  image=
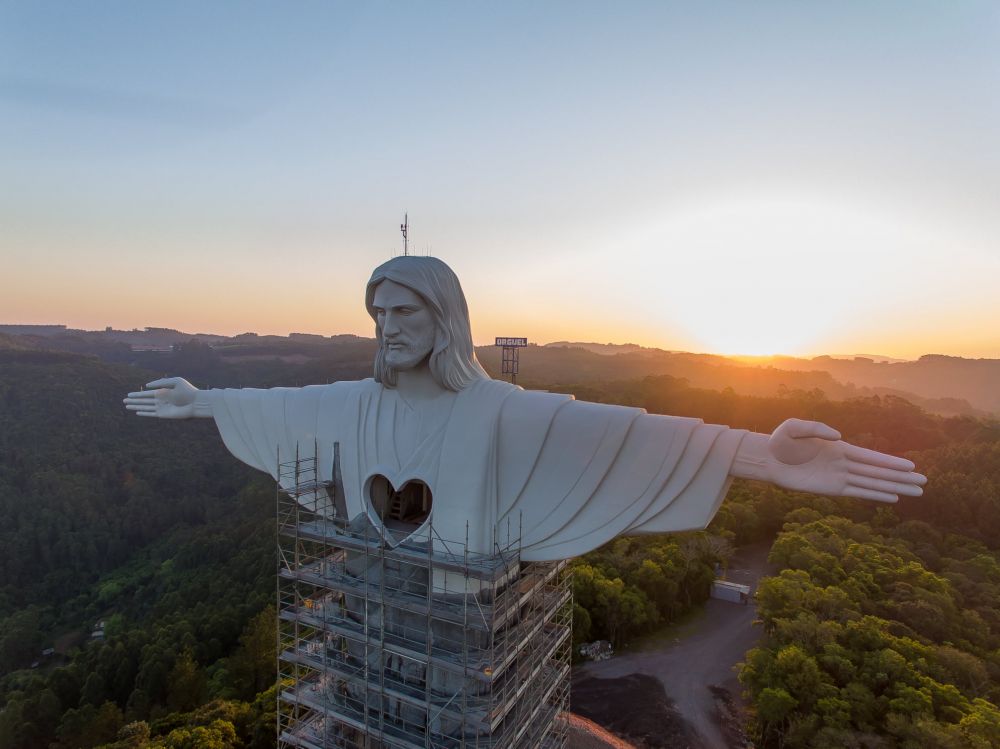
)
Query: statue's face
[{"x": 407, "y": 325}]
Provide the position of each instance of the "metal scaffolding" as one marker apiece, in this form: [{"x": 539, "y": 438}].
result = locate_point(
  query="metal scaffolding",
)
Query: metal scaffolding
[{"x": 412, "y": 647}]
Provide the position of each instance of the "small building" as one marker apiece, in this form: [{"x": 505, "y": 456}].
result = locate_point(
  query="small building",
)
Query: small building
[
  {"x": 732, "y": 592},
  {"x": 150, "y": 348}
]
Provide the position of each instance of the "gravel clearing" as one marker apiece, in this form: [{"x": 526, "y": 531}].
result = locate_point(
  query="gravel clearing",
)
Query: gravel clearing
[{"x": 684, "y": 693}]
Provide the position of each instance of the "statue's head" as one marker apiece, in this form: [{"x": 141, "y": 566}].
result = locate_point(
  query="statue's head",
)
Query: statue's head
[{"x": 439, "y": 331}]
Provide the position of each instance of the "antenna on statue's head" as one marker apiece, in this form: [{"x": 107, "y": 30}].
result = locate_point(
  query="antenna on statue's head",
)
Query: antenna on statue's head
[{"x": 405, "y": 229}]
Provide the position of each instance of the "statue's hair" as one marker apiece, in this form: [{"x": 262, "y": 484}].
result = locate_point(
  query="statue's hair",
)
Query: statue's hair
[{"x": 453, "y": 360}]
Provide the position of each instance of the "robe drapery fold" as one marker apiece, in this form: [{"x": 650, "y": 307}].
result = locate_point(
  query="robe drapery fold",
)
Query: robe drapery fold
[{"x": 562, "y": 476}]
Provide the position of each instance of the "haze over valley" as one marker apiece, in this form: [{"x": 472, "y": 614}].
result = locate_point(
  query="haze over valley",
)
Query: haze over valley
[{"x": 946, "y": 385}]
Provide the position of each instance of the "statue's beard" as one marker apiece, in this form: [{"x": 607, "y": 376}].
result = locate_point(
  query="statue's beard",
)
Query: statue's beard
[
  {"x": 401, "y": 360},
  {"x": 389, "y": 364}
]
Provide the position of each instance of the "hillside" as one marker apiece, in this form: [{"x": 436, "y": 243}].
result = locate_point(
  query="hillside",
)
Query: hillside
[
  {"x": 540, "y": 364},
  {"x": 14, "y": 343},
  {"x": 931, "y": 376},
  {"x": 157, "y": 533}
]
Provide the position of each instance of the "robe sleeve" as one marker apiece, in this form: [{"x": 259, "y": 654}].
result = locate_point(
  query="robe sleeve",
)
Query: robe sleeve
[
  {"x": 574, "y": 475},
  {"x": 263, "y": 427}
]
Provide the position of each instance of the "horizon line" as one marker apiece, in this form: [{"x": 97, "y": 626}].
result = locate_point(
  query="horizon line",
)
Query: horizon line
[{"x": 149, "y": 329}]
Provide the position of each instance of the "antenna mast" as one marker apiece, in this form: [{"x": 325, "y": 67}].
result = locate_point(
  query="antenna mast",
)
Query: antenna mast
[{"x": 405, "y": 229}]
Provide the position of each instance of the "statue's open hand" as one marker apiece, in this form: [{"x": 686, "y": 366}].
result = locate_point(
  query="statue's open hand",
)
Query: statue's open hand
[
  {"x": 169, "y": 398},
  {"x": 810, "y": 456}
]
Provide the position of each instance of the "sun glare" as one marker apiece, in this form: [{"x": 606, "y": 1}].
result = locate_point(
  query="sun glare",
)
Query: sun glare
[{"x": 754, "y": 276}]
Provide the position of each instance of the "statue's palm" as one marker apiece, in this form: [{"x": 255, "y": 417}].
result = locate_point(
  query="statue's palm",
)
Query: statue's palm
[
  {"x": 810, "y": 456},
  {"x": 168, "y": 398}
]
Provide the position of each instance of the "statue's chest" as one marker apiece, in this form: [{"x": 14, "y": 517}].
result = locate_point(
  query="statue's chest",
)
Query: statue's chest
[
  {"x": 407, "y": 437},
  {"x": 400, "y": 464}
]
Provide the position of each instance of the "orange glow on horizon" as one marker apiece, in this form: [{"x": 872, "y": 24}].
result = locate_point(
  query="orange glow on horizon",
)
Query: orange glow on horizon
[{"x": 738, "y": 276}]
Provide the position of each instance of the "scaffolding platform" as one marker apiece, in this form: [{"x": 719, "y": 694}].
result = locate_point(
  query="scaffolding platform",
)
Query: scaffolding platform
[{"x": 417, "y": 645}]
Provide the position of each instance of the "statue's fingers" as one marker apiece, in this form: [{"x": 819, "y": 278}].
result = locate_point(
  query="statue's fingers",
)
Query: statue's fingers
[
  {"x": 140, "y": 407},
  {"x": 889, "y": 474},
  {"x": 881, "y": 485},
  {"x": 146, "y": 413},
  {"x": 137, "y": 401},
  {"x": 143, "y": 394},
  {"x": 163, "y": 382},
  {"x": 799, "y": 429},
  {"x": 875, "y": 458},
  {"x": 872, "y": 494}
]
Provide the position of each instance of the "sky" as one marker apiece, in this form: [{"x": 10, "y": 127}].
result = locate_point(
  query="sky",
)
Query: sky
[{"x": 727, "y": 177}]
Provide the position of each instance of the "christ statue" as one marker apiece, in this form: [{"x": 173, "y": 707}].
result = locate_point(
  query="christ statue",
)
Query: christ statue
[{"x": 432, "y": 448}]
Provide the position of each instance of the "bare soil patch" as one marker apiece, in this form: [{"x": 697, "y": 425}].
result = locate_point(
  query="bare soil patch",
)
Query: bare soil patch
[{"x": 635, "y": 707}]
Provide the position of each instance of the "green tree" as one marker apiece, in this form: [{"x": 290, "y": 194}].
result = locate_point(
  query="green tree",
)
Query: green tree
[
  {"x": 254, "y": 665},
  {"x": 186, "y": 684},
  {"x": 981, "y": 727},
  {"x": 220, "y": 734}
]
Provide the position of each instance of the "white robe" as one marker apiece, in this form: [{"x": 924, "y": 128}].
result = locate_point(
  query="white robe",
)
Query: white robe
[{"x": 554, "y": 476}]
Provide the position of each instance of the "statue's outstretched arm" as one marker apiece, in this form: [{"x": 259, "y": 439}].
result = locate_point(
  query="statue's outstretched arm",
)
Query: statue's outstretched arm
[
  {"x": 171, "y": 398},
  {"x": 809, "y": 456}
]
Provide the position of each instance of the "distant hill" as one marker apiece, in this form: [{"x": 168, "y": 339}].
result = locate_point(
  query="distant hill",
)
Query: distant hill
[
  {"x": 606, "y": 349},
  {"x": 14, "y": 343},
  {"x": 953, "y": 394},
  {"x": 931, "y": 376},
  {"x": 208, "y": 360},
  {"x": 769, "y": 360},
  {"x": 873, "y": 357},
  {"x": 944, "y": 385}
]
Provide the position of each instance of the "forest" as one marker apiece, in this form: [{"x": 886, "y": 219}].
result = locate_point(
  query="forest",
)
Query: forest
[{"x": 881, "y": 630}]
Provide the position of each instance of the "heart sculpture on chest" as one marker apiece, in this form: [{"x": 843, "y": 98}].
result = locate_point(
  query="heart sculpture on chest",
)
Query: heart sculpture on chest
[{"x": 401, "y": 510}]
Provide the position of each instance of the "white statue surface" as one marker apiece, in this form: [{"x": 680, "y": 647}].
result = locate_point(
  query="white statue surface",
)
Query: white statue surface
[{"x": 567, "y": 476}]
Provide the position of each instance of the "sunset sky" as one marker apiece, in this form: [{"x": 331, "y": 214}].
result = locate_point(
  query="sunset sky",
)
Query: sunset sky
[{"x": 729, "y": 177}]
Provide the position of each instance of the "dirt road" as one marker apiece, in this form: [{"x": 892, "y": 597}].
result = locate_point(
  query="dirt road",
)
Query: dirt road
[{"x": 699, "y": 662}]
